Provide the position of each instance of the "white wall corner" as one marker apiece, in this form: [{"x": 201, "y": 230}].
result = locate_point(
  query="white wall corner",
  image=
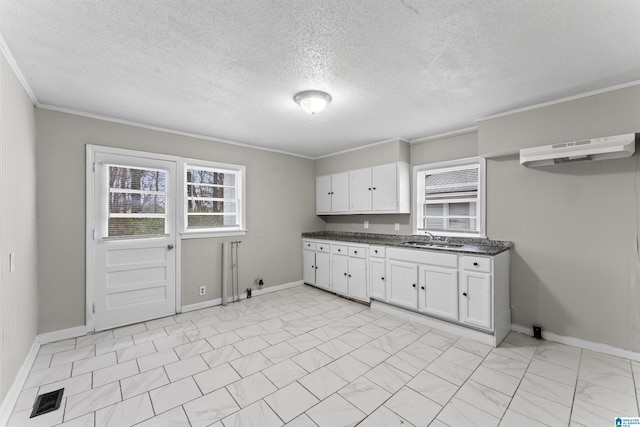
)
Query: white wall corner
[{"x": 9, "y": 401}]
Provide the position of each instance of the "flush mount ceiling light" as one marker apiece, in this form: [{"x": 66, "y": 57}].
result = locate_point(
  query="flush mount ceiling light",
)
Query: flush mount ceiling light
[{"x": 312, "y": 101}]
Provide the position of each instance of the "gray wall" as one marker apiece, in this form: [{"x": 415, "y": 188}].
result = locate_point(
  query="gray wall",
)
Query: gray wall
[
  {"x": 18, "y": 289},
  {"x": 372, "y": 155},
  {"x": 575, "y": 264},
  {"x": 280, "y": 206}
]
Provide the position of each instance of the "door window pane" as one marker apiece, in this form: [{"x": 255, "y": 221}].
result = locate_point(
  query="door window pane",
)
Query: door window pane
[{"x": 137, "y": 201}]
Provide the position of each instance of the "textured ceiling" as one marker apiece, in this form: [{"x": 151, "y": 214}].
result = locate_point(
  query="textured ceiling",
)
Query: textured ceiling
[{"x": 229, "y": 69}]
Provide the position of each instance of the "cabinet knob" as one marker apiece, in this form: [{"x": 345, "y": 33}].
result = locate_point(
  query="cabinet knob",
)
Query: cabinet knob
[
  {"x": 329, "y": 193},
  {"x": 316, "y": 268},
  {"x": 475, "y": 263},
  {"x": 332, "y": 192},
  {"x": 375, "y": 250},
  {"x": 369, "y": 188},
  {"x": 382, "y": 278},
  {"x": 345, "y": 274},
  {"x": 355, "y": 252},
  {"x": 374, "y": 188},
  {"x": 464, "y": 293},
  {"x": 414, "y": 285},
  {"x": 422, "y": 287},
  {"x": 349, "y": 275},
  {"x": 321, "y": 248},
  {"x": 339, "y": 250}
]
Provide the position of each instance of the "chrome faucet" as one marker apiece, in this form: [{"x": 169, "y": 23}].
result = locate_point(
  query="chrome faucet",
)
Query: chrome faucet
[{"x": 431, "y": 237}]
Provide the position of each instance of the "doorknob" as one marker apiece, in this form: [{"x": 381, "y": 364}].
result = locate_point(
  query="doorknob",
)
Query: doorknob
[{"x": 169, "y": 247}]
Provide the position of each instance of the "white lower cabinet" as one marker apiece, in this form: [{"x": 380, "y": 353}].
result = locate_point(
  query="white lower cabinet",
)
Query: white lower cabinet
[
  {"x": 316, "y": 263},
  {"x": 402, "y": 283},
  {"x": 438, "y": 293},
  {"x": 378, "y": 280},
  {"x": 358, "y": 278},
  {"x": 470, "y": 291},
  {"x": 475, "y": 299}
]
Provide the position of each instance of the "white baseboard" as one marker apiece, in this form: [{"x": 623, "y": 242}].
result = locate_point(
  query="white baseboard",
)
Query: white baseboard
[
  {"x": 576, "y": 342},
  {"x": 9, "y": 401},
  {"x": 255, "y": 292},
  {"x": 62, "y": 334}
]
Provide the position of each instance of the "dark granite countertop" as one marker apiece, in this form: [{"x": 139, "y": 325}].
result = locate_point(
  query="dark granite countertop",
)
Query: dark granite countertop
[{"x": 462, "y": 245}]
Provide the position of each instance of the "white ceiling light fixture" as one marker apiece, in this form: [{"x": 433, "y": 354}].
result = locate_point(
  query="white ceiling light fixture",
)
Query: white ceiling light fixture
[{"x": 313, "y": 101}]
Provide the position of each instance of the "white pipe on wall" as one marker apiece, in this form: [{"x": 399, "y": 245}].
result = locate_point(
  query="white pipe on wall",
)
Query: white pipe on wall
[{"x": 225, "y": 271}]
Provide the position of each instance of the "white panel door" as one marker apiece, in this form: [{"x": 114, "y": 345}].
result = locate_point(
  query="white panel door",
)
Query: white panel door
[
  {"x": 438, "y": 293},
  {"x": 134, "y": 260},
  {"x": 309, "y": 267},
  {"x": 358, "y": 278},
  {"x": 378, "y": 285},
  {"x": 323, "y": 270},
  {"x": 402, "y": 282},
  {"x": 360, "y": 190},
  {"x": 340, "y": 192},
  {"x": 323, "y": 194},
  {"x": 475, "y": 299},
  {"x": 385, "y": 188},
  {"x": 340, "y": 274}
]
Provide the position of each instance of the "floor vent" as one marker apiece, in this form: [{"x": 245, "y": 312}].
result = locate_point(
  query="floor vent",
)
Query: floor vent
[{"x": 47, "y": 402}]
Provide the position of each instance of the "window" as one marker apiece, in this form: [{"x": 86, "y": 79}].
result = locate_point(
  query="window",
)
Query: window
[
  {"x": 450, "y": 198},
  {"x": 137, "y": 199},
  {"x": 213, "y": 197}
]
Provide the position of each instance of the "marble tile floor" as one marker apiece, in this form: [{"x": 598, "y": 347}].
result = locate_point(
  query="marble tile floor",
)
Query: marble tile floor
[{"x": 305, "y": 357}]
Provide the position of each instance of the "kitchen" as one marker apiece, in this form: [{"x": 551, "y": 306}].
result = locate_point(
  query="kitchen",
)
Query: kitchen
[{"x": 573, "y": 265}]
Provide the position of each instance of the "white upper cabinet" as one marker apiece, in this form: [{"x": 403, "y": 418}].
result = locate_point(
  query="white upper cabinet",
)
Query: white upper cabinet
[
  {"x": 379, "y": 189},
  {"x": 360, "y": 190},
  {"x": 385, "y": 189},
  {"x": 332, "y": 194}
]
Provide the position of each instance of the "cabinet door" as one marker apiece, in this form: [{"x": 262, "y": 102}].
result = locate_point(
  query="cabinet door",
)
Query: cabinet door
[
  {"x": 322, "y": 269},
  {"x": 385, "y": 188},
  {"x": 340, "y": 273},
  {"x": 360, "y": 190},
  {"x": 378, "y": 282},
  {"x": 438, "y": 294},
  {"x": 358, "y": 278},
  {"x": 340, "y": 192},
  {"x": 323, "y": 194},
  {"x": 402, "y": 279},
  {"x": 309, "y": 267},
  {"x": 475, "y": 299}
]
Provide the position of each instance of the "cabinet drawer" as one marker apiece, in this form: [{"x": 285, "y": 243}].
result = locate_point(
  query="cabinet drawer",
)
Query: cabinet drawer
[
  {"x": 357, "y": 252},
  {"x": 377, "y": 251},
  {"x": 340, "y": 250},
  {"x": 476, "y": 263},
  {"x": 323, "y": 247},
  {"x": 311, "y": 246}
]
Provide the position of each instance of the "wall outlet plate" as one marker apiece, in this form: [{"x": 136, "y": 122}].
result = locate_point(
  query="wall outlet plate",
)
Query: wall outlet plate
[
  {"x": 202, "y": 291},
  {"x": 396, "y": 227},
  {"x": 366, "y": 224}
]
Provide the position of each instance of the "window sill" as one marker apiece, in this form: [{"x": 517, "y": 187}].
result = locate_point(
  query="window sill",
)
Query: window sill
[{"x": 210, "y": 234}]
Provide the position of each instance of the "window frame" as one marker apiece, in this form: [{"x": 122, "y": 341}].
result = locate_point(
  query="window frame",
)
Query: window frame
[
  {"x": 240, "y": 187},
  {"x": 419, "y": 199}
]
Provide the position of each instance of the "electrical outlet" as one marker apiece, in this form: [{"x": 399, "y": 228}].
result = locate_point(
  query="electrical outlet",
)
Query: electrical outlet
[
  {"x": 396, "y": 227},
  {"x": 366, "y": 224},
  {"x": 202, "y": 291}
]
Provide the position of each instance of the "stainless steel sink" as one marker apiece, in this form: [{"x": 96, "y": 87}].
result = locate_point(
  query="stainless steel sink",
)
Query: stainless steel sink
[{"x": 434, "y": 245}]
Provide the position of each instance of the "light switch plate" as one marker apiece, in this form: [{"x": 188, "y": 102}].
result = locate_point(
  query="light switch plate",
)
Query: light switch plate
[
  {"x": 366, "y": 224},
  {"x": 396, "y": 227}
]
